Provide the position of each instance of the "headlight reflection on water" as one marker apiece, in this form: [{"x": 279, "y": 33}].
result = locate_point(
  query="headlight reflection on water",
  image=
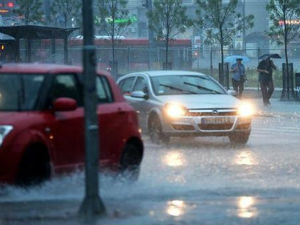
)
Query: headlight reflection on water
[
  {"x": 245, "y": 158},
  {"x": 174, "y": 159},
  {"x": 176, "y": 208},
  {"x": 246, "y": 207}
]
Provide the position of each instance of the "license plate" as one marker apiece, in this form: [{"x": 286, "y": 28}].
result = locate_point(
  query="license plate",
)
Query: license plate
[{"x": 217, "y": 120}]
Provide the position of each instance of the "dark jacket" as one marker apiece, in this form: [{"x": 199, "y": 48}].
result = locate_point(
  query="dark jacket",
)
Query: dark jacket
[{"x": 265, "y": 68}]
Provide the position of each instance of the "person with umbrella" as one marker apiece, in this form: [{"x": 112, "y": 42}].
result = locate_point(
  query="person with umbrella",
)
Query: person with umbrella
[
  {"x": 238, "y": 76},
  {"x": 265, "y": 69}
]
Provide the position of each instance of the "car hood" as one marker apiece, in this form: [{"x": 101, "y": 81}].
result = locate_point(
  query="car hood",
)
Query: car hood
[{"x": 202, "y": 101}]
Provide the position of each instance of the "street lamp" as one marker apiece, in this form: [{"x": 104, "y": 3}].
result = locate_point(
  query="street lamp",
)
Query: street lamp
[{"x": 92, "y": 205}]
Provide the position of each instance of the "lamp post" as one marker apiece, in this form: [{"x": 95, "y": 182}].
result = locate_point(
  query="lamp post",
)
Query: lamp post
[{"x": 92, "y": 205}]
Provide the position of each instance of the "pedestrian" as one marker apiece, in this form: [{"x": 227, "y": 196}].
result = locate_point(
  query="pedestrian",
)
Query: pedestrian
[
  {"x": 265, "y": 69},
  {"x": 238, "y": 76}
]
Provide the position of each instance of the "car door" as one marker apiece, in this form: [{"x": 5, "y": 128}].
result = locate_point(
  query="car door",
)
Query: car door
[
  {"x": 126, "y": 85},
  {"x": 112, "y": 120},
  {"x": 142, "y": 105},
  {"x": 68, "y": 129}
]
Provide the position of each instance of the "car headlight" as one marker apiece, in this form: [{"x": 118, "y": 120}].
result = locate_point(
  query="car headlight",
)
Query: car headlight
[
  {"x": 246, "y": 109},
  {"x": 4, "y": 130},
  {"x": 174, "y": 110}
]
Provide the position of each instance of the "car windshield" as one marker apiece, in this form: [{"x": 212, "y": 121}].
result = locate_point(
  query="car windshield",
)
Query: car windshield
[
  {"x": 185, "y": 84},
  {"x": 19, "y": 92}
]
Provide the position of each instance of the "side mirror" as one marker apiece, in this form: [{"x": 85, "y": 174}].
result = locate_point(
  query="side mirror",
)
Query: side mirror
[
  {"x": 138, "y": 94},
  {"x": 64, "y": 104},
  {"x": 231, "y": 92}
]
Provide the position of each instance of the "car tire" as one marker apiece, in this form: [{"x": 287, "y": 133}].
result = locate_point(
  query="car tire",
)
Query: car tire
[
  {"x": 34, "y": 167},
  {"x": 239, "y": 139},
  {"x": 130, "y": 161},
  {"x": 155, "y": 131}
]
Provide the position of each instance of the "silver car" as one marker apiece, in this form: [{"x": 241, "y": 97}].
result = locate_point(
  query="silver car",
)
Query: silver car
[{"x": 183, "y": 103}]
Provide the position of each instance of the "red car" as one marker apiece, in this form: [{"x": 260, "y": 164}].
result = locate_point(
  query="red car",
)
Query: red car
[{"x": 42, "y": 123}]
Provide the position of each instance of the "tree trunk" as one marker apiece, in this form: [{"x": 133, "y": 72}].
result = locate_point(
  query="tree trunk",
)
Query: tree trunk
[
  {"x": 167, "y": 43},
  {"x": 167, "y": 52},
  {"x": 211, "y": 62},
  {"x": 221, "y": 73},
  {"x": 287, "y": 70}
]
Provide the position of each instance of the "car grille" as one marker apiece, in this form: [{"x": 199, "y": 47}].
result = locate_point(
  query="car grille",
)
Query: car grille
[
  {"x": 227, "y": 126},
  {"x": 182, "y": 127},
  {"x": 211, "y": 113}
]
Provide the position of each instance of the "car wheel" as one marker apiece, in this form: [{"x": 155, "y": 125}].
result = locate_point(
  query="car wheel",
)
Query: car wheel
[
  {"x": 239, "y": 138},
  {"x": 155, "y": 132},
  {"x": 130, "y": 161},
  {"x": 34, "y": 167}
]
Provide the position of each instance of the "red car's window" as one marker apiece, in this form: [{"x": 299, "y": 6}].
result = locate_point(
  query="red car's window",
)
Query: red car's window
[
  {"x": 19, "y": 92},
  {"x": 104, "y": 94},
  {"x": 66, "y": 85}
]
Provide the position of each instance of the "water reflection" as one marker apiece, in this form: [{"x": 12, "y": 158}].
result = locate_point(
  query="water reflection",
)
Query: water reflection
[
  {"x": 246, "y": 207},
  {"x": 179, "y": 179},
  {"x": 176, "y": 208},
  {"x": 174, "y": 159},
  {"x": 245, "y": 158}
]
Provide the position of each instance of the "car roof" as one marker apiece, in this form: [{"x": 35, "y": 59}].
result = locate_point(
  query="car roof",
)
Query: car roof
[
  {"x": 153, "y": 73},
  {"x": 42, "y": 68}
]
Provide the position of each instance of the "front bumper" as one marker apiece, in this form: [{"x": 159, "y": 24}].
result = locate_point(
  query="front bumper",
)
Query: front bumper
[{"x": 206, "y": 125}]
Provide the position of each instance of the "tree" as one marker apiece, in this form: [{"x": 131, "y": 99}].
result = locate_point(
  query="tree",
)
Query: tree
[
  {"x": 167, "y": 19},
  {"x": 113, "y": 19},
  {"x": 30, "y": 10},
  {"x": 281, "y": 13},
  {"x": 66, "y": 13},
  {"x": 222, "y": 23}
]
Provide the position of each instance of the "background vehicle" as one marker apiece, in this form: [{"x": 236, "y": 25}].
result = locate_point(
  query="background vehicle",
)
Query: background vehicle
[
  {"x": 182, "y": 103},
  {"x": 42, "y": 124}
]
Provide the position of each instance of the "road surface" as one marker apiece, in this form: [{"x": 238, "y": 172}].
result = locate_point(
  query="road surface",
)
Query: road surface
[{"x": 191, "y": 181}]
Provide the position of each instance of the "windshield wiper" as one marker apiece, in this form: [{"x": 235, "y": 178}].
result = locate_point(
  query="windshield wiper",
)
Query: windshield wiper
[
  {"x": 177, "y": 89},
  {"x": 203, "y": 88}
]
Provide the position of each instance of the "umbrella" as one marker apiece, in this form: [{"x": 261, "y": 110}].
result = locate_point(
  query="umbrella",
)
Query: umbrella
[
  {"x": 232, "y": 58},
  {"x": 265, "y": 56}
]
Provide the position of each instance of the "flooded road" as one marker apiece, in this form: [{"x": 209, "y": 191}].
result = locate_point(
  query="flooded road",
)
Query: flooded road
[{"x": 191, "y": 181}]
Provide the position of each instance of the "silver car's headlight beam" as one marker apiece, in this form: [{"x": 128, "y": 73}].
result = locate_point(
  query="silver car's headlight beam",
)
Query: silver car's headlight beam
[
  {"x": 174, "y": 110},
  {"x": 245, "y": 109}
]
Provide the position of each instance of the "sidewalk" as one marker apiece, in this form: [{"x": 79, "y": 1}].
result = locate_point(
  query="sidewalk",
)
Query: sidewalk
[
  {"x": 255, "y": 92},
  {"x": 277, "y": 108}
]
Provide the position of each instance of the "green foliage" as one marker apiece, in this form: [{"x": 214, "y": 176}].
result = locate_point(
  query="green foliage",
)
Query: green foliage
[
  {"x": 108, "y": 13},
  {"x": 168, "y": 18},
  {"x": 283, "y": 10},
  {"x": 66, "y": 13},
  {"x": 221, "y": 21},
  {"x": 30, "y": 10}
]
